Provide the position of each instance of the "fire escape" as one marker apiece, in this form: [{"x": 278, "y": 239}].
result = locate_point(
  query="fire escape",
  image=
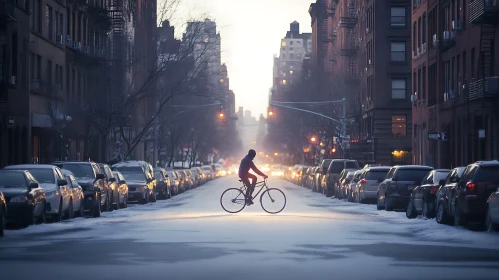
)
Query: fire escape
[
  {"x": 351, "y": 43},
  {"x": 486, "y": 14},
  {"x": 325, "y": 35},
  {"x": 7, "y": 15}
]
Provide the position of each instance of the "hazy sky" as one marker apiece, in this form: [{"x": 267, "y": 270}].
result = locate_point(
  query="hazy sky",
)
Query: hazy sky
[{"x": 251, "y": 31}]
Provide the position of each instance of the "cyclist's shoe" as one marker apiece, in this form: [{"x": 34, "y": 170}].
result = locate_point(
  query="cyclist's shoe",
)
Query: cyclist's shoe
[{"x": 249, "y": 202}]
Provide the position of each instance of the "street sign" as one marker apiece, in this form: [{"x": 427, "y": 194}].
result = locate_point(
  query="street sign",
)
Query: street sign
[{"x": 437, "y": 136}]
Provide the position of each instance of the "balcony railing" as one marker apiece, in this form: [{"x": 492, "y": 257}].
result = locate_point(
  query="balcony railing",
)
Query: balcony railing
[
  {"x": 7, "y": 10},
  {"x": 485, "y": 11},
  {"x": 485, "y": 88},
  {"x": 349, "y": 21}
]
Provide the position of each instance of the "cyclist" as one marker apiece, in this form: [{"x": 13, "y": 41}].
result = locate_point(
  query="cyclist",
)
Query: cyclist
[{"x": 244, "y": 168}]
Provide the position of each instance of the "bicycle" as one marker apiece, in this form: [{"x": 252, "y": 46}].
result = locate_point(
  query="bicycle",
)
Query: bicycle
[{"x": 236, "y": 197}]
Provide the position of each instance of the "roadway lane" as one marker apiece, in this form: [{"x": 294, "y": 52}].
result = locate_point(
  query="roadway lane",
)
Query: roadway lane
[{"x": 191, "y": 237}]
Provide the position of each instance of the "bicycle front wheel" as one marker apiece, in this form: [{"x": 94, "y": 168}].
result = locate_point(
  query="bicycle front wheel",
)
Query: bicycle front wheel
[
  {"x": 273, "y": 200},
  {"x": 233, "y": 200}
]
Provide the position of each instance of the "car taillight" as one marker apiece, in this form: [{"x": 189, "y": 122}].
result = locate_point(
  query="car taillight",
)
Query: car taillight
[
  {"x": 434, "y": 189},
  {"x": 363, "y": 181},
  {"x": 471, "y": 186}
]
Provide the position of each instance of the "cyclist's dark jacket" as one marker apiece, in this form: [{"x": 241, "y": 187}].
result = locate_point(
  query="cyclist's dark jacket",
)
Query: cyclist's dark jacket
[{"x": 246, "y": 165}]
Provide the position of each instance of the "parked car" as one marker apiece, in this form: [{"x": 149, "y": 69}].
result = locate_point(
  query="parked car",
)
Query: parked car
[
  {"x": 337, "y": 186},
  {"x": 367, "y": 186},
  {"x": 92, "y": 181},
  {"x": 57, "y": 191},
  {"x": 24, "y": 198},
  {"x": 342, "y": 185},
  {"x": 208, "y": 170},
  {"x": 423, "y": 197},
  {"x": 350, "y": 187},
  {"x": 333, "y": 173},
  {"x": 3, "y": 214},
  {"x": 77, "y": 193},
  {"x": 492, "y": 216},
  {"x": 187, "y": 182},
  {"x": 443, "y": 194},
  {"x": 140, "y": 179},
  {"x": 469, "y": 197},
  {"x": 112, "y": 186},
  {"x": 122, "y": 189},
  {"x": 163, "y": 185},
  {"x": 176, "y": 187},
  {"x": 396, "y": 193}
]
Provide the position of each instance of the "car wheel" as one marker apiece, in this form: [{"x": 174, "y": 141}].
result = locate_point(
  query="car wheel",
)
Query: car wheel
[
  {"x": 69, "y": 213},
  {"x": 410, "y": 212},
  {"x": 106, "y": 206},
  {"x": 117, "y": 204},
  {"x": 96, "y": 210},
  {"x": 81, "y": 213},
  {"x": 378, "y": 204},
  {"x": 43, "y": 217},
  {"x": 427, "y": 210},
  {"x": 58, "y": 216},
  {"x": 111, "y": 202},
  {"x": 388, "y": 204},
  {"x": 442, "y": 217},
  {"x": 152, "y": 198},
  {"x": 459, "y": 217},
  {"x": 489, "y": 224},
  {"x": 2, "y": 222}
]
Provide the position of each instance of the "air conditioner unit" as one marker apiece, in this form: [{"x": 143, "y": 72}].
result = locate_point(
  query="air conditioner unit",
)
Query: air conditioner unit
[
  {"x": 370, "y": 62},
  {"x": 413, "y": 98},
  {"x": 12, "y": 80},
  {"x": 435, "y": 38},
  {"x": 457, "y": 24},
  {"x": 58, "y": 39},
  {"x": 69, "y": 42},
  {"x": 367, "y": 29}
]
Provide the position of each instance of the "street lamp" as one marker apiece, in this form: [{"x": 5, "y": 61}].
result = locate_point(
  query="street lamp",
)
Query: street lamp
[
  {"x": 313, "y": 139},
  {"x": 271, "y": 113},
  {"x": 221, "y": 115},
  {"x": 276, "y": 154}
]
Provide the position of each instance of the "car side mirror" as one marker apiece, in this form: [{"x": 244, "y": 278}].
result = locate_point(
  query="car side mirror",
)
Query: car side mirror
[
  {"x": 100, "y": 176},
  {"x": 441, "y": 182},
  {"x": 380, "y": 180},
  {"x": 61, "y": 182},
  {"x": 112, "y": 179},
  {"x": 33, "y": 185}
]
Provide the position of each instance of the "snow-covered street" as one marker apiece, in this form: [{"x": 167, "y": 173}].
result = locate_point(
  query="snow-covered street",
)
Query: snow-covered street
[{"x": 191, "y": 237}]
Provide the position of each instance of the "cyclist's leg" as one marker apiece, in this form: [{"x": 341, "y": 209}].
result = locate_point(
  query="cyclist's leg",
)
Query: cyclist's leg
[
  {"x": 253, "y": 183},
  {"x": 247, "y": 183}
]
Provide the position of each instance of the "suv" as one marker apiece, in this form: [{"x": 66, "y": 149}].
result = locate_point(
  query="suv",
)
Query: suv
[
  {"x": 139, "y": 176},
  {"x": 93, "y": 182},
  {"x": 469, "y": 198},
  {"x": 333, "y": 173},
  {"x": 369, "y": 181},
  {"x": 396, "y": 190}
]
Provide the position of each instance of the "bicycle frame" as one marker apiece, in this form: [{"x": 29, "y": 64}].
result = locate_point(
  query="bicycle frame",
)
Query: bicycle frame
[{"x": 261, "y": 184}]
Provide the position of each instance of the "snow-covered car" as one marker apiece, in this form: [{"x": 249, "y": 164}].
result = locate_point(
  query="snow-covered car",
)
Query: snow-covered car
[
  {"x": 92, "y": 181},
  {"x": 25, "y": 198},
  {"x": 58, "y": 193},
  {"x": 77, "y": 193},
  {"x": 122, "y": 189},
  {"x": 140, "y": 179}
]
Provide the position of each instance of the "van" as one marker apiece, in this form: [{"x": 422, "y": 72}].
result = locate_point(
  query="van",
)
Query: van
[{"x": 333, "y": 173}]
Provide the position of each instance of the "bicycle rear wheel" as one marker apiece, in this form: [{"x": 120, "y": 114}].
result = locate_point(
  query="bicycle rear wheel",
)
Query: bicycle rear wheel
[
  {"x": 273, "y": 200},
  {"x": 233, "y": 200}
]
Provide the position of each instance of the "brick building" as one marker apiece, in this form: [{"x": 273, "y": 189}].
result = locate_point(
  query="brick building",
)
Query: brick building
[
  {"x": 371, "y": 67},
  {"x": 455, "y": 83}
]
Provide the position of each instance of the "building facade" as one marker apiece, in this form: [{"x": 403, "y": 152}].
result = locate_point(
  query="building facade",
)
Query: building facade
[{"x": 455, "y": 81}]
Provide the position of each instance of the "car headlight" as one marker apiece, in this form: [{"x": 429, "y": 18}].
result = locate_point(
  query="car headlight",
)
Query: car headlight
[{"x": 21, "y": 199}]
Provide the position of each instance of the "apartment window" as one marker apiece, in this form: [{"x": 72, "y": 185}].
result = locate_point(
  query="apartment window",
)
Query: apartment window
[
  {"x": 473, "y": 63},
  {"x": 414, "y": 35},
  {"x": 399, "y": 126},
  {"x": 291, "y": 56},
  {"x": 420, "y": 42},
  {"x": 290, "y": 48},
  {"x": 464, "y": 67},
  {"x": 50, "y": 23},
  {"x": 458, "y": 74},
  {"x": 424, "y": 28},
  {"x": 464, "y": 14},
  {"x": 398, "y": 51},
  {"x": 283, "y": 43},
  {"x": 68, "y": 22},
  {"x": 39, "y": 16},
  {"x": 398, "y": 89},
  {"x": 423, "y": 89},
  {"x": 291, "y": 42},
  {"x": 414, "y": 82},
  {"x": 458, "y": 8},
  {"x": 49, "y": 74},
  {"x": 397, "y": 16},
  {"x": 452, "y": 74}
]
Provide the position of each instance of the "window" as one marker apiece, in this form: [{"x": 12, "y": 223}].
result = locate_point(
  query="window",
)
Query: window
[
  {"x": 423, "y": 89},
  {"x": 399, "y": 126},
  {"x": 291, "y": 42},
  {"x": 50, "y": 23},
  {"x": 414, "y": 32},
  {"x": 397, "y": 17},
  {"x": 39, "y": 16},
  {"x": 291, "y": 56},
  {"x": 398, "y": 51},
  {"x": 283, "y": 43},
  {"x": 398, "y": 89}
]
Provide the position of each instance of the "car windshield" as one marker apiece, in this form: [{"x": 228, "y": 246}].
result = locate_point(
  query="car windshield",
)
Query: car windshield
[
  {"x": 133, "y": 176},
  {"x": 352, "y": 164},
  {"x": 43, "y": 175},
  {"x": 12, "y": 180},
  {"x": 207, "y": 169},
  {"x": 487, "y": 174},
  {"x": 376, "y": 175},
  {"x": 414, "y": 175},
  {"x": 130, "y": 169},
  {"x": 158, "y": 174},
  {"x": 80, "y": 170},
  {"x": 336, "y": 167}
]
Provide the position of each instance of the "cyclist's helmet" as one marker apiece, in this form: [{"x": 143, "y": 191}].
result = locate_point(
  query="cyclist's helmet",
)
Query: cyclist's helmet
[{"x": 252, "y": 153}]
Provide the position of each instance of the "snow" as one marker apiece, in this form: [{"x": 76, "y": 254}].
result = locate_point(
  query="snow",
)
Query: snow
[{"x": 314, "y": 235}]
